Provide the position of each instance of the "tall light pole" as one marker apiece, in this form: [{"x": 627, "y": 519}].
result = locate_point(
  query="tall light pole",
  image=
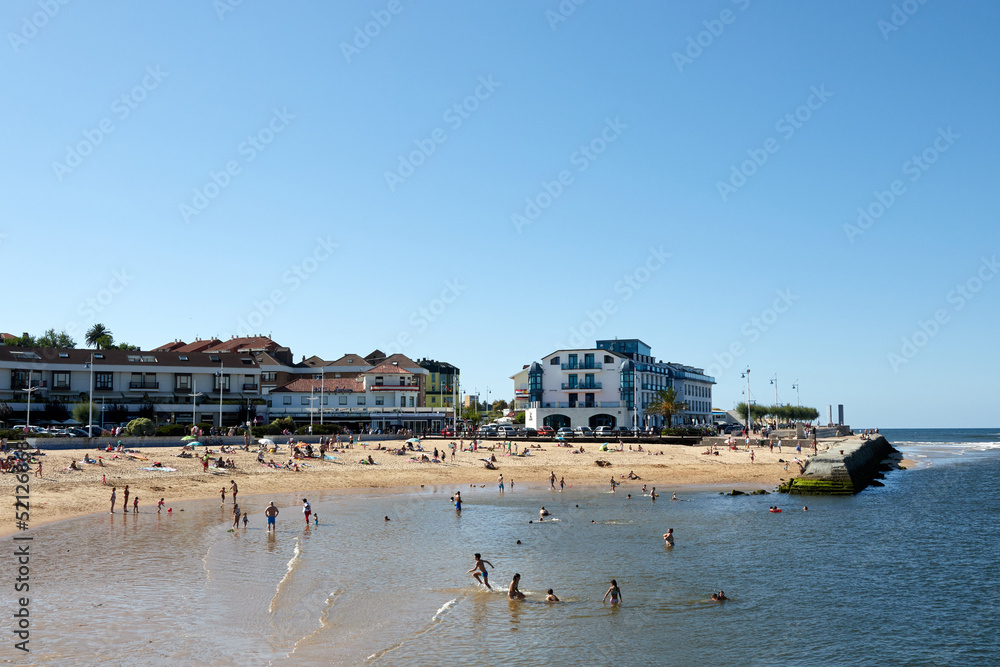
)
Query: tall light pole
[
  {"x": 90, "y": 420},
  {"x": 322, "y": 381},
  {"x": 774, "y": 381},
  {"x": 194, "y": 402},
  {"x": 221, "y": 378},
  {"x": 31, "y": 390},
  {"x": 796, "y": 388},
  {"x": 312, "y": 408},
  {"x": 746, "y": 374}
]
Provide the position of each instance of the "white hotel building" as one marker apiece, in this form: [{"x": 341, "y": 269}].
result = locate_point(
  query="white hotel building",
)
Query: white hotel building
[{"x": 602, "y": 386}]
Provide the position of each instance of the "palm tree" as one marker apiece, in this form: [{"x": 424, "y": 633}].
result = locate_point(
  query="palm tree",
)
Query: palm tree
[
  {"x": 666, "y": 405},
  {"x": 98, "y": 335}
]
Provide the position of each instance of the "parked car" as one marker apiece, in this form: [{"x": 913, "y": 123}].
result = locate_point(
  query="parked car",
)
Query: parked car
[
  {"x": 529, "y": 432},
  {"x": 604, "y": 431},
  {"x": 546, "y": 430},
  {"x": 584, "y": 431},
  {"x": 506, "y": 431},
  {"x": 488, "y": 431},
  {"x": 565, "y": 432},
  {"x": 734, "y": 428},
  {"x": 448, "y": 432}
]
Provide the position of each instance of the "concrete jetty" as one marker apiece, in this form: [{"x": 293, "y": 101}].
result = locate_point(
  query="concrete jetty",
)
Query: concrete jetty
[{"x": 843, "y": 469}]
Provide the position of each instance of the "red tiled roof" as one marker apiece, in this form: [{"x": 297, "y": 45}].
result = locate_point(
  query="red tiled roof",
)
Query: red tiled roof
[
  {"x": 388, "y": 369},
  {"x": 198, "y": 345},
  {"x": 237, "y": 344},
  {"x": 329, "y": 385},
  {"x": 170, "y": 347},
  {"x": 6, "y": 336}
]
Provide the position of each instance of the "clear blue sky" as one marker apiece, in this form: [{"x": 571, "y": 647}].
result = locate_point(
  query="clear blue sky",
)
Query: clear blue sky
[{"x": 665, "y": 132}]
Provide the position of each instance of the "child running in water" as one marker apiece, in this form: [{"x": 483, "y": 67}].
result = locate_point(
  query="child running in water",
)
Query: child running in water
[{"x": 480, "y": 569}]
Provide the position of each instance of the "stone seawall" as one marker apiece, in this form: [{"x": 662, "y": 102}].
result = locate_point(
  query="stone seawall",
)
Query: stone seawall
[{"x": 844, "y": 469}]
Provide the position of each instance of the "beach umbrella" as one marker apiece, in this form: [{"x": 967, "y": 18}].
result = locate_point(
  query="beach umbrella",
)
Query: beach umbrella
[
  {"x": 415, "y": 441},
  {"x": 561, "y": 438},
  {"x": 188, "y": 438},
  {"x": 265, "y": 441}
]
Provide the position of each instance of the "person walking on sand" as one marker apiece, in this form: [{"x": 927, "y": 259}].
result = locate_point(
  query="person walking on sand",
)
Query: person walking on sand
[
  {"x": 512, "y": 592},
  {"x": 38, "y": 470},
  {"x": 114, "y": 496},
  {"x": 479, "y": 570},
  {"x": 306, "y": 509},
  {"x": 614, "y": 592},
  {"x": 234, "y": 488},
  {"x": 271, "y": 513},
  {"x": 236, "y": 516}
]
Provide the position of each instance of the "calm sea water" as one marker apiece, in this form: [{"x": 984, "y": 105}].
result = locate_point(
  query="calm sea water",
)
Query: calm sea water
[{"x": 905, "y": 574}]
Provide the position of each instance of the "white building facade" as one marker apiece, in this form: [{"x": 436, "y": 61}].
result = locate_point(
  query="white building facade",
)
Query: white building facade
[{"x": 612, "y": 384}]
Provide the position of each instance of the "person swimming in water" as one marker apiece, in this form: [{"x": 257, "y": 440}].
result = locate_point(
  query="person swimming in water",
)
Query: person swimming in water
[
  {"x": 542, "y": 513},
  {"x": 614, "y": 592},
  {"x": 550, "y": 596},
  {"x": 668, "y": 537}
]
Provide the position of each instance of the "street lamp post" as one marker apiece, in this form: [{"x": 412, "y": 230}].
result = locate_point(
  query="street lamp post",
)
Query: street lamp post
[
  {"x": 90, "y": 420},
  {"x": 796, "y": 388},
  {"x": 221, "y": 378},
  {"x": 774, "y": 381},
  {"x": 31, "y": 390},
  {"x": 322, "y": 381},
  {"x": 194, "y": 402},
  {"x": 746, "y": 374}
]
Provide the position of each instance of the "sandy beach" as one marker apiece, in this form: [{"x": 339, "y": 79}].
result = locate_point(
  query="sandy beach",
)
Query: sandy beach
[{"x": 61, "y": 493}]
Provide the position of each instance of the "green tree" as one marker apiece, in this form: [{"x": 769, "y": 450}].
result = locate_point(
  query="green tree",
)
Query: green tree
[
  {"x": 5, "y": 412},
  {"x": 24, "y": 340},
  {"x": 128, "y": 347},
  {"x": 81, "y": 412},
  {"x": 519, "y": 417},
  {"x": 60, "y": 340},
  {"x": 666, "y": 404},
  {"x": 98, "y": 336},
  {"x": 141, "y": 427}
]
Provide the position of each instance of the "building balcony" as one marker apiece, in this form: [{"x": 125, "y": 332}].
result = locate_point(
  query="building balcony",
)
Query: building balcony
[
  {"x": 578, "y": 386},
  {"x": 249, "y": 386},
  {"x": 579, "y": 404},
  {"x": 582, "y": 365},
  {"x": 143, "y": 385},
  {"x": 394, "y": 387}
]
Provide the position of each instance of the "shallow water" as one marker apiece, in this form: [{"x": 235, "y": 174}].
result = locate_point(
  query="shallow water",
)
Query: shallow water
[{"x": 903, "y": 574}]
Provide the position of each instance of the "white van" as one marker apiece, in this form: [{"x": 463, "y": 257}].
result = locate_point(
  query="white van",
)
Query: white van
[{"x": 506, "y": 431}]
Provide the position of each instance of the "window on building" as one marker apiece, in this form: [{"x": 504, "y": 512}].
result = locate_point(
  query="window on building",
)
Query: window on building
[
  {"x": 182, "y": 382},
  {"x": 379, "y": 380},
  {"x": 304, "y": 400},
  {"x": 342, "y": 400},
  {"x": 326, "y": 400},
  {"x": 60, "y": 380},
  {"x": 554, "y": 361},
  {"x": 411, "y": 401},
  {"x": 104, "y": 381},
  {"x": 287, "y": 400},
  {"x": 361, "y": 400},
  {"x": 380, "y": 400},
  {"x": 268, "y": 377}
]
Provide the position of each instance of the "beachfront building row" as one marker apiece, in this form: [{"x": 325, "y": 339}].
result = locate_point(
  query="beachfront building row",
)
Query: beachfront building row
[
  {"x": 611, "y": 384},
  {"x": 227, "y": 382}
]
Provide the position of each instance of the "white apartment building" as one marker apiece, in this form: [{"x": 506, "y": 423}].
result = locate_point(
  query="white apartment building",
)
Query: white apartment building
[{"x": 611, "y": 384}]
